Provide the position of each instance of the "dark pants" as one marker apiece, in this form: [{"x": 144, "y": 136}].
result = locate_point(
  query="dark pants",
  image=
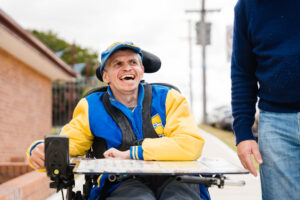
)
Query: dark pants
[{"x": 137, "y": 189}]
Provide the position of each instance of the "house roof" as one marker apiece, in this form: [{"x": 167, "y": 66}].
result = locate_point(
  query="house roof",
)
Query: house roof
[{"x": 27, "y": 48}]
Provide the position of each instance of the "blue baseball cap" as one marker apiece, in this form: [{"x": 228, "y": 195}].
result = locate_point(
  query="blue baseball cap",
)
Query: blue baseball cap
[{"x": 113, "y": 48}]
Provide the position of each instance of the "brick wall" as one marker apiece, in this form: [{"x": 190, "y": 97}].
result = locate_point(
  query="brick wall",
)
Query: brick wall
[
  {"x": 25, "y": 107},
  {"x": 10, "y": 170},
  {"x": 30, "y": 186}
]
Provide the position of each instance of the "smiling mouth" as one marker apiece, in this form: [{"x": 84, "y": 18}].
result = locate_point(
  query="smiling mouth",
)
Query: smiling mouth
[{"x": 127, "y": 77}]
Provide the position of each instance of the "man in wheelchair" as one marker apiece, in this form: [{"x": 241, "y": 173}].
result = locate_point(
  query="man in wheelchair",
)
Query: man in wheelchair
[{"x": 131, "y": 120}]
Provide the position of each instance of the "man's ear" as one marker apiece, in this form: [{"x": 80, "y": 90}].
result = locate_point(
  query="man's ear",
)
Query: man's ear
[
  {"x": 105, "y": 77},
  {"x": 143, "y": 68}
]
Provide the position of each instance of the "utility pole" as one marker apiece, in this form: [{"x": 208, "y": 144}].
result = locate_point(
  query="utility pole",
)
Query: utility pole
[
  {"x": 190, "y": 63},
  {"x": 203, "y": 42}
]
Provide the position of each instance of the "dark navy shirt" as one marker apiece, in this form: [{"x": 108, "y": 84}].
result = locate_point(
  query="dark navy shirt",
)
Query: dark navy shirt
[{"x": 265, "y": 60}]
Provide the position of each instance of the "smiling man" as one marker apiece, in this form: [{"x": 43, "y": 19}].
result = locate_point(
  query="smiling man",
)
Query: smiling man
[
  {"x": 123, "y": 73},
  {"x": 132, "y": 120}
]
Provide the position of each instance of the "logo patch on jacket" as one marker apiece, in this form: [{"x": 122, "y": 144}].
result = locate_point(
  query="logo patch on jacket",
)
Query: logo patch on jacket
[{"x": 157, "y": 125}]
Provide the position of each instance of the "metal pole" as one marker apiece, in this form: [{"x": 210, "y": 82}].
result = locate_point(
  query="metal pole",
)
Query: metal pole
[
  {"x": 203, "y": 42},
  {"x": 190, "y": 64}
]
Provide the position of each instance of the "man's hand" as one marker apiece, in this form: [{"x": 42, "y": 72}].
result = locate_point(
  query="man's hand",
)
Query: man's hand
[
  {"x": 37, "y": 158},
  {"x": 245, "y": 149},
  {"x": 114, "y": 153}
]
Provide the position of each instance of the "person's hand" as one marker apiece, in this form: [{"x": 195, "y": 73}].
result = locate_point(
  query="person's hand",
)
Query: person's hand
[
  {"x": 245, "y": 149},
  {"x": 114, "y": 153},
  {"x": 37, "y": 158}
]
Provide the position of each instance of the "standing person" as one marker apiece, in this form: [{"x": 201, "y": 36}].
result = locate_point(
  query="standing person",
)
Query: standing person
[
  {"x": 170, "y": 133},
  {"x": 266, "y": 65}
]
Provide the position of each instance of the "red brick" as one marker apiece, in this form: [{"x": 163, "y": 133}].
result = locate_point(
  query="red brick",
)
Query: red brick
[
  {"x": 33, "y": 185},
  {"x": 17, "y": 159},
  {"x": 24, "y": 169},
  {"x": 25, "y": 109},
  {"x": 17, "y": 170},
  {"x": 28, "y": 168},
  {"x": 3, "y": 170},
  {"x": 10, "y": 170}
]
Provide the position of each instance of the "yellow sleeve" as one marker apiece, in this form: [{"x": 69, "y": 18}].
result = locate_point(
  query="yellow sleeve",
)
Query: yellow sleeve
[
  {"x": 78, "y": 130},
  {"x": 28, "y": 154},
  {"x": 182, "y": 140}
]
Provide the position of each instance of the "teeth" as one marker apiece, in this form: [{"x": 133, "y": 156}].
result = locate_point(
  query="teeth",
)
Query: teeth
[{"x": 128, "y": 76}]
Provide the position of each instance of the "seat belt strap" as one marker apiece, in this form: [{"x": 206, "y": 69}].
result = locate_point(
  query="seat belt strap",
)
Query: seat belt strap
[
  {"x": 128, "y": 136},
  {"x": 148, "y": 129}
]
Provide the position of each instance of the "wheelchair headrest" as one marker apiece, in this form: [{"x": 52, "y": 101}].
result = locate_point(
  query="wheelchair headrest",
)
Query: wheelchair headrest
[{"x": 150, "y": 61}]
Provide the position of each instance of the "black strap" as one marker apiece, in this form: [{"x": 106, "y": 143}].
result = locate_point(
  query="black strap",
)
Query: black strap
[
  {"x": 148, "y": 129},
  {"x": 121, "y": 120}
]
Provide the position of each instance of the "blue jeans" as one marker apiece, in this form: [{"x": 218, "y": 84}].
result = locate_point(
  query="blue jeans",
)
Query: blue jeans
[{"x": 279, "y": 145}]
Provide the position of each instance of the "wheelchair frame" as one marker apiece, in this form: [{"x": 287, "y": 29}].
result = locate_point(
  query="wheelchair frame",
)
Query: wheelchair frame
[{"x": 60, "y": 172}]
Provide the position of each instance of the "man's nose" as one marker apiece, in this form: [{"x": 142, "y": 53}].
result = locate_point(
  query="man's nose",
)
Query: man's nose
[{"x": 127, "y": 66}]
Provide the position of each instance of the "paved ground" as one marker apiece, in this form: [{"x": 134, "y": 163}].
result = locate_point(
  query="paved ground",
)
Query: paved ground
[
  {"x": 251, "y": 191},
  {"x": 215, "y": 148}
]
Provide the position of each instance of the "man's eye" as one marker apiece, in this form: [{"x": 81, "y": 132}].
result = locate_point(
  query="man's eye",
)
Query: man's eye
[
  {"x": 133, "y": 62},
  {"x": 118, "y": 64}
]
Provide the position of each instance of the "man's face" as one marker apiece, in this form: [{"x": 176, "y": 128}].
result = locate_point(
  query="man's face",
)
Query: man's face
[{"x": 123, "y": 72}]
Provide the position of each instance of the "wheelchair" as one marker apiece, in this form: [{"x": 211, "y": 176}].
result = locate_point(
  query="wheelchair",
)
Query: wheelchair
[{"x": 61, "y": 171}]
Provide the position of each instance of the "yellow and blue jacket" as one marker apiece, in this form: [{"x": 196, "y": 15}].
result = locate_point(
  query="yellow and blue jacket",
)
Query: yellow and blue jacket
[{"x": 179, "y": 138}]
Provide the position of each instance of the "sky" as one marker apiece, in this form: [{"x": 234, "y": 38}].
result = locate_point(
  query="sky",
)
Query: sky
[{"x": 158, "y": 26}]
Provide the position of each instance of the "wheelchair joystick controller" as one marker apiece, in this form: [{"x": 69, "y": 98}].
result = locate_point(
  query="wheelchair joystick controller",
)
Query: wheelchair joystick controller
[{"x": 57, "y": 164}]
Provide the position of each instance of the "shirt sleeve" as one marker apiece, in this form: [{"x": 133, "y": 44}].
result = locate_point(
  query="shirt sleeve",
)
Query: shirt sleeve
[
  {"x": 243, "y": 80},
  {"x": 182, "y": 140},
  {"x": 78, "y": 130}
]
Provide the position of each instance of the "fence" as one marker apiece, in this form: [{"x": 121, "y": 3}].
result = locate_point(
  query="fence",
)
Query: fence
[{"x": 65, "y": 97}]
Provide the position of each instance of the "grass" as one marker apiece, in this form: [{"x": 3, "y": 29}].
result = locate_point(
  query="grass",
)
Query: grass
[{"x": 225, "y": 136}]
